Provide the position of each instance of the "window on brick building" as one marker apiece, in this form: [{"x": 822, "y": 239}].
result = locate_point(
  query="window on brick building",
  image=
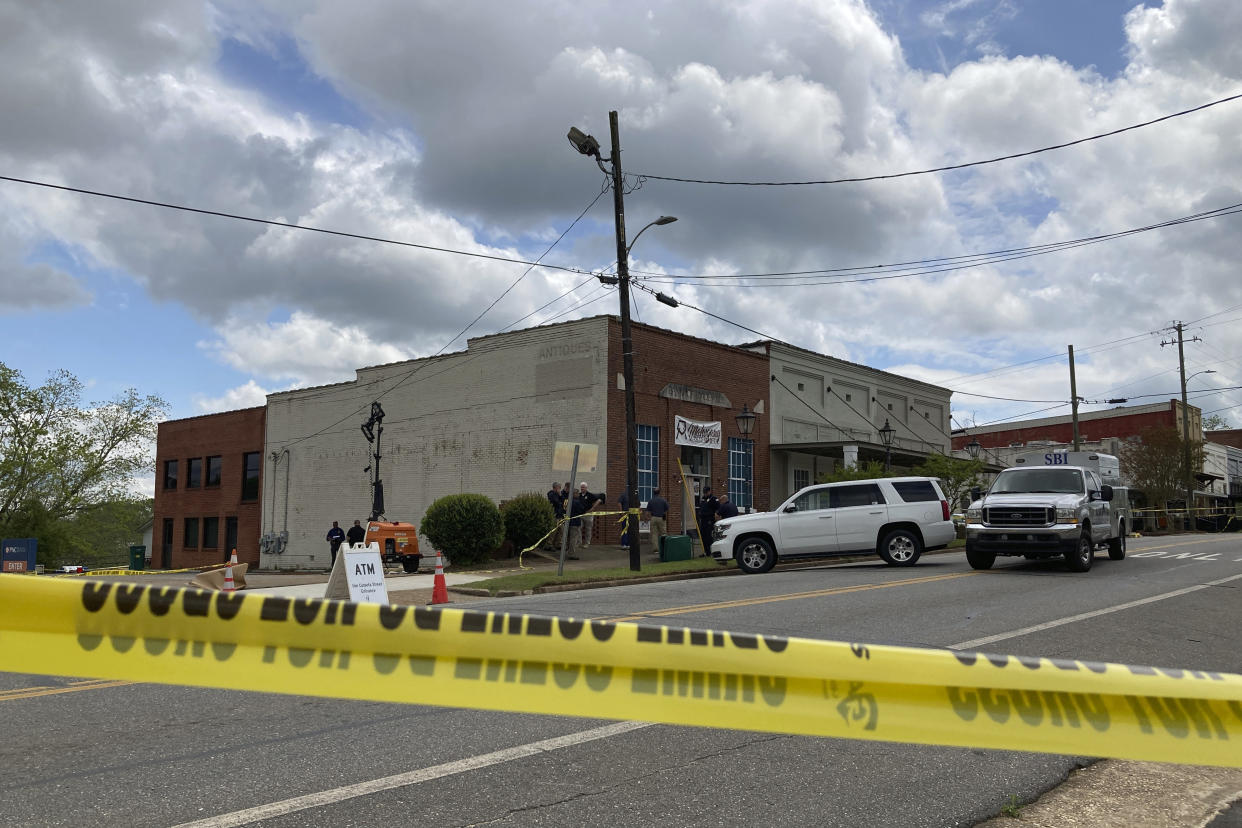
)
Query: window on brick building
[
  {"x": 741, "y": 472},
  {"x": 170, "y": 474},
  {"x": 214, "y": 465},
  {"x": 211, "y": 532},
  {"x": 648, "y": 461},
  {"x": 190, "y": 538},
  {"x": 194, "y": 473},
  {"x": 250, "y": 476}
]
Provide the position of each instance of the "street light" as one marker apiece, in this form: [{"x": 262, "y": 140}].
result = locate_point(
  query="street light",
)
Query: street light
[
  {"x": 587, "y": 145},
  {"x": 746, "y": 420},
  {"x": 886, "y": 437},
  {"x": 973, "y": 448},
  {"x": 662, "y": 220}
]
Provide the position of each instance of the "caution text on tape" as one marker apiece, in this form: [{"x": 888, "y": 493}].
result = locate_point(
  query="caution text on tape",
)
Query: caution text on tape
[{"x": 564, "y": 666}]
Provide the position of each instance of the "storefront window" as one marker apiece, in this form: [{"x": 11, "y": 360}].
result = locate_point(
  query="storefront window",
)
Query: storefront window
[
  {"x": 741, "y": 471},
  {"x": 648, "y": 461}
]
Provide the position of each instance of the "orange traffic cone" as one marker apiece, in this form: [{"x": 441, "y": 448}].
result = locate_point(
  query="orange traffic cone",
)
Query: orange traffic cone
[
  {"x": 229, "y": 586},
  {"x": 439, "y": 590}
]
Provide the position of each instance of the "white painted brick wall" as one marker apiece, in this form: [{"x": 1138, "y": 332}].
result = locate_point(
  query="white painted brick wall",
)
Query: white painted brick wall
[{"x": 484, "y": 420}]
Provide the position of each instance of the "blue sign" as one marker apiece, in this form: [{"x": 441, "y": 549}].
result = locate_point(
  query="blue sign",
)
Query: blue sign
[{"x": 18, "y": 554}]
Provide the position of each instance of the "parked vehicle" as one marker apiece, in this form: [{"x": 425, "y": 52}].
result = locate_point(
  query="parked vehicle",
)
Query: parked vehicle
[
  {"x": 896, "y": 517},
  {"x": 398, "y": 542},
  {"x": 1048, "y": 510}
]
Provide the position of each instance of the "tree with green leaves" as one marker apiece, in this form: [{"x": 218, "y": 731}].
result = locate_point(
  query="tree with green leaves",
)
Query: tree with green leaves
[
  {"x": 1215, "y": 422},
  {"x": 1155, "y": 463},
  {"x": 59, "y": 459},
  {"x": 957, "y": 476}
]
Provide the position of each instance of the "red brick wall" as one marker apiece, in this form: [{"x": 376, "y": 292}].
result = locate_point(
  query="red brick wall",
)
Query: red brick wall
[
  {"x": 229, "y": 435},
  {"x": 662, "y": 357},
  {"x": 1123, "y": 425}
]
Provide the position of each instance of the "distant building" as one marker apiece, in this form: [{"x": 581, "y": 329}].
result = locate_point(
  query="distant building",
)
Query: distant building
[
  {"x": 1098, "y": 430},
  {"x": 208, "y": 481}
]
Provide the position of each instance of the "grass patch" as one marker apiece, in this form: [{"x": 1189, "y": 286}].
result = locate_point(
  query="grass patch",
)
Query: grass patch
[
  {"x": 1012, "y": 809},
  {"x": 956, "y": 543},
  {"x": 534, "y": 580}
]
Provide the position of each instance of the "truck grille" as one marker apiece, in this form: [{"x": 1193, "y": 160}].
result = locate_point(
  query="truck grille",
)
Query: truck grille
[{"x": 1019, "y": 516}]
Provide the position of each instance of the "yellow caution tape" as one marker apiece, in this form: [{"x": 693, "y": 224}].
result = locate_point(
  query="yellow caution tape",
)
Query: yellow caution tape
[
  {"x": 556, "y": 528},
  {"x": 564, "y": 666},
  {"x": 126, "y": 571}
]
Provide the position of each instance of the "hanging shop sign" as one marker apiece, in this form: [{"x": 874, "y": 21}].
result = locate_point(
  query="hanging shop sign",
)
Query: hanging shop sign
[{"x": 696, "y": 433}]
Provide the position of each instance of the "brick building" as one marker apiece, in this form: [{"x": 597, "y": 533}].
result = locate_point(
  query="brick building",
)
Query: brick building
[
  {"x": 487, "y": 420},
  {"x": 208, "y": 482}
]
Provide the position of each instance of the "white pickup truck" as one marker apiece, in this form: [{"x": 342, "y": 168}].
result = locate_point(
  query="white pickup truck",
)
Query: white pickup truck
[{"x": 1051, "y": 510}]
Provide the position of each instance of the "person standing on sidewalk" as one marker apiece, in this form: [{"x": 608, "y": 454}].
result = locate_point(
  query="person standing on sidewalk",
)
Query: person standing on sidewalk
[
  {"x": 356, "y": 534},
  {"x": 336, "y": 536},
  {"x": 589, "y": 500},
  {"x": 657, "y": 507},
  {"x": 707, "y": 516},
  {"x": 577, "y": 506},
  {"x": 557, "y": 499}
]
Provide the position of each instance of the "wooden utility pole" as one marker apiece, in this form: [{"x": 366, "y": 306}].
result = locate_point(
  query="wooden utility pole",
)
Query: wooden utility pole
[
  {"x": 1179, "y": 327},
  {"x": 1074, "y": 398}
]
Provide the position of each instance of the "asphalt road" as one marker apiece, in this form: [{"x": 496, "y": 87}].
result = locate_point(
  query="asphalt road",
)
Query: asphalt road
[{"x": 108, "y": 753}]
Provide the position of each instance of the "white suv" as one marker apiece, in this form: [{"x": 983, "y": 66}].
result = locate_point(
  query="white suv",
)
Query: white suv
[{"x": 895, "y": 517}]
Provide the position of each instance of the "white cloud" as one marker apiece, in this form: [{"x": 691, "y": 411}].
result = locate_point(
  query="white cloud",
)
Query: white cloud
[
  {"x": 470, "y": 154},
  {"x": 244, "y": 396}
]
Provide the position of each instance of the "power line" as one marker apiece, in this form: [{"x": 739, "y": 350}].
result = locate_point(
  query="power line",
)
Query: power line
[
  {"x": 1003, "y": 369},
  {"x": 946, "y": 168},
  {"x": 1019, "y": 416},
  {"x": 922, "y": 267},
  {"x": 425, "y": 361},
  {"x": 1004, "y": 399},
  {"x": 286, "y": 224}
]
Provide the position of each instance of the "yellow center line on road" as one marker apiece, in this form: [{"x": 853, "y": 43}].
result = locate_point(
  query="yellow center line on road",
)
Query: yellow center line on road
[
  {"x": 35, "y": 692},
  {"x": 792, "y": 596}
]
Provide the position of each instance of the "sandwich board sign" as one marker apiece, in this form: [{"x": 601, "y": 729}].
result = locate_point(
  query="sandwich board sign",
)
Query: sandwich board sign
[{"x": 364, "y": 571}]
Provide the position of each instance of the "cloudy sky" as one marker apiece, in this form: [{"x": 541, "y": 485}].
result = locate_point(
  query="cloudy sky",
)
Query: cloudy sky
[{"x": 443, "y": 124}]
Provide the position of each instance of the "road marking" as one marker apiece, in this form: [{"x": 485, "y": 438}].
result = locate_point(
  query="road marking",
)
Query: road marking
[
  {"x": 401, "y": 780},
  {"x": 792, "y": 596},
  {"x": 992, "y": 639},
  {"x": 44, "y": 690}
]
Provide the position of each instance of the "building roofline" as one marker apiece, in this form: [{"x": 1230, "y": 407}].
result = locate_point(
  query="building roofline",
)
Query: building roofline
[
  {"x": 768, "y": 343},
  {"x": 1061, "y": 419},
  {"x": 215, "y": 414}
]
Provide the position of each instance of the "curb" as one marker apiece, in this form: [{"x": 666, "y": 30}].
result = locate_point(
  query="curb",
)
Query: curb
[{"x": 675, "y": 576}]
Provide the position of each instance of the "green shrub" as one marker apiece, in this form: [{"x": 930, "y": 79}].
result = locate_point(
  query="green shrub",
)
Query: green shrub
[
  {"x": 528, "y": 517},
  {"x": 465, "y": 527}
]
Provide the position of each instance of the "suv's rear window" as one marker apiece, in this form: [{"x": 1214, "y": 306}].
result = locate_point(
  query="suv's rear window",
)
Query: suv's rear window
[{"x": 914, "y": 491}]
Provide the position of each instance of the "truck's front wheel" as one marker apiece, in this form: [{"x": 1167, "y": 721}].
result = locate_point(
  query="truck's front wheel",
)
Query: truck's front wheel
[
  {"x": 1117, "y": 545},
  {"x": 979, "y": 559},
  {"x": 1080, "y": 558}
]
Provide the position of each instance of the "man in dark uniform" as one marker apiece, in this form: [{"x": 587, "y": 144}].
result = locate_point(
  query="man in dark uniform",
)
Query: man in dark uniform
[
  {"x": 356, "y": 534},
  {"x": 707, "y": 515},
  {"x": 557, "y": 499},
  {"x": 336, "y": 536}
]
